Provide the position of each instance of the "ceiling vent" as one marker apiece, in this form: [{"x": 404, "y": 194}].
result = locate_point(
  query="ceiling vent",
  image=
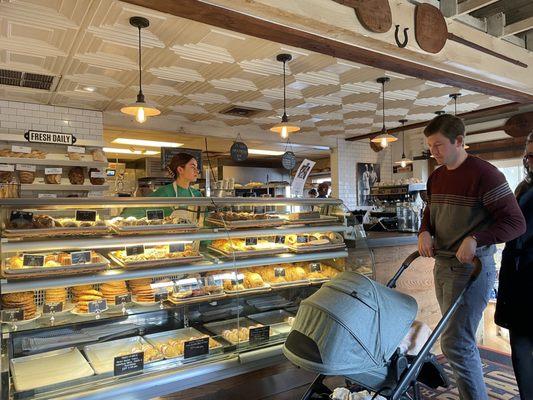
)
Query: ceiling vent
[
  {"x": 238, "y": 111},
  {"x": 26, "y": 79}
]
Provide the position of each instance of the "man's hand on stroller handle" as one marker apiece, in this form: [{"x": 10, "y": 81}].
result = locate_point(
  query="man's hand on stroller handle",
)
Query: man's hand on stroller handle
[
  {"x": 425, "y": 244},
  {"x": 467, "y": 250}
]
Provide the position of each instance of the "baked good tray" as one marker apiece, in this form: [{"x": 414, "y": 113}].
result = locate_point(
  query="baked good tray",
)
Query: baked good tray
[
  {"x": 147, "y": 229},
  {"x": 156, "y": 339},
  {"x": 247, "y": 253},
  {"x": 155, "y": 263},
  {"x": 30, "y": 233},
  {"x": 252, "y": 223}
]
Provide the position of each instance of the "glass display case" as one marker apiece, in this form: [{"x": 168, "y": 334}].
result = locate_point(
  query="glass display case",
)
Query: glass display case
[{"x": 109, "y": 297}]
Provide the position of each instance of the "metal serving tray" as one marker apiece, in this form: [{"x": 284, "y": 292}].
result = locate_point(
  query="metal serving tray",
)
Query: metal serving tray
[
  {"x": 262, "y": 289},
  {"x": 277, "y": 319},
  {"x": 155, "y": 263},
  {"x": 49, "y": 368},
  {"x": 218, "y": 327},
  {"x": 157, "y": 339},
  {"x": 248, "y": 253},
  {"x": 324, "y": 219},
  {"x": 74, "y": 269},
  {"x": 163, "y": 228},
  {"x": 47, "y": 232},
  {"x": 320, "y": 247},
  {"x": 252, "y": 223}
]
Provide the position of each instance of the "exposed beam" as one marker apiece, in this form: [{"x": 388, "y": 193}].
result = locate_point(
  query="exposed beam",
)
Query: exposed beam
[
  {"x": 496, "y": 24},
  {"x": 215, "y": 15},
  {"x": 518, "y": 27},
  {"x": 469, "y": 6}
]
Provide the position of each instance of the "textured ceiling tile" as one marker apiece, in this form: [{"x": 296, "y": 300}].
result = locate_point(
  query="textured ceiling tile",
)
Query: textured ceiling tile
[
  {"x": 177, "y": 74},
  {"x": 233, "y": 84},
  {"x": 203, "y": 53}
]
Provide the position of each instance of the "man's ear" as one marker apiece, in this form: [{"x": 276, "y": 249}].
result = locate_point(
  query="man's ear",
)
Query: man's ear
[{"x": 460, "y": 140}]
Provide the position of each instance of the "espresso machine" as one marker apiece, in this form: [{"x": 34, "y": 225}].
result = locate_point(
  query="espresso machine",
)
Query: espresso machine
[{"x": 399, "y": 207}]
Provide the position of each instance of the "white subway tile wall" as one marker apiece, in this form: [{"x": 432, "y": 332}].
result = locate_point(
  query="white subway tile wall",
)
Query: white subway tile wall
[
  {"x": 344, "y": 161},
  {"x": 17, "y": 117}
]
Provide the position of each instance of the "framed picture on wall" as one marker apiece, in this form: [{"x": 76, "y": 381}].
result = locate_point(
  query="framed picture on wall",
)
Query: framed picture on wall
[{"x": 367, "y": 175}]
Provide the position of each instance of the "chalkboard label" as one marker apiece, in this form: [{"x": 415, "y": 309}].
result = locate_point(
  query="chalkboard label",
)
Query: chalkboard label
[
  {"x": 122, "y": 299},
  {"x": 239, "y": 151},
  {"x": 161, "y": 296},
  {"x": 280, "y": 239},
  {"x": 176, "y": 248},
  {"x": 259, "y": 335},
  {"x": 129, "y": 363},
  {"x": 315, "y": 267},
  {"x": 97, "y": 305},
  {"x": 12, "y": 315},
  {"x": 250, "y": 241},
  {"x": 49, "y": 308},
  {"x": 33, "y": 260},
  {"x": 85, "y": 215},
  {"x": 28, "y": 216},
  {"x": 288, "y": 160},
  {"x": 279, "y": 272},
  {"x": 80, "y": 257},
  {"x": 302, "y": 239},
  {"x": 134, "y": 250},
  {"x": 154, "y": 215},
  {"x": 196, "y": 347}
]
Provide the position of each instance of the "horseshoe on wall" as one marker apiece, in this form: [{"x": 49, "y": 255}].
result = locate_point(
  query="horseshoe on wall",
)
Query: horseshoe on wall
[{"x": 405, "y": 37}]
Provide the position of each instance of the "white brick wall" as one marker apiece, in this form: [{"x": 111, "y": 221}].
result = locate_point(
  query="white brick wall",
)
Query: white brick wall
[
  {"x": 17, "y": 117},
  {"x": 344, "y": 160}
]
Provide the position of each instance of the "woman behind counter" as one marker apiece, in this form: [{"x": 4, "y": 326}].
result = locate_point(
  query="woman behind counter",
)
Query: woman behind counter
[
  {"x": 184, "y": 169},
  {"x": 515, "y": 293}
]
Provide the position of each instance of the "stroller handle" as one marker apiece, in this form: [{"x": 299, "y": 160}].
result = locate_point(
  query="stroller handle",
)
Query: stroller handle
[{"x": 414, "y": 255}]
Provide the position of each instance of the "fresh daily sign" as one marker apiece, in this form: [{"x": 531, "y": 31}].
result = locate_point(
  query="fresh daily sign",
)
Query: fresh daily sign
[{"x": 50, "y": 137}]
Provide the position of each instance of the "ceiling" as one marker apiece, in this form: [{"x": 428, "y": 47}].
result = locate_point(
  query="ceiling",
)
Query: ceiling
[{"x": 193, "y": 71}]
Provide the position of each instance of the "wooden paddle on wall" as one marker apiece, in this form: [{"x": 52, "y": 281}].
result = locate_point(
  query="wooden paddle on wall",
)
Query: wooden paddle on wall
[
  {"x": 431, "y": 31},
  {"x": 519, "y": 125},
  {"x": 374, "y": 15}
]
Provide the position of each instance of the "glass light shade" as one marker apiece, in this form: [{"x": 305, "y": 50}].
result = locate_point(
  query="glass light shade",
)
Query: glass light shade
[
  {"x": 140, "y": 111},
  {"x": 403, "y": 162},
  {"x": 284, "y": 128},
  {"x": 384, "y": 139}
]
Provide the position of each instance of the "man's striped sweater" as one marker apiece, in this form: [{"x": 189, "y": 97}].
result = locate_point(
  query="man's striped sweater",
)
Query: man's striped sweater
[{"x": 473, "y": 199}]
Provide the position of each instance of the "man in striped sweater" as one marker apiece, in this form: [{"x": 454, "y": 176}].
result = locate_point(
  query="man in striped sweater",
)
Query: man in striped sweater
[{"x": 470, "y": 209}]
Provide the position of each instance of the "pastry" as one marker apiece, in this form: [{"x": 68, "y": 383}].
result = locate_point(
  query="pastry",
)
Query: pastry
[
  {"x": 78, "y": 290},
  {"x": 112, "y": 289},
  {"x": 58, "y": 295},
  {"x": 22, "y": 300},
  {"x": 20, "y": 223},
  {"x": 253, "y": 280},
  {"x": 53, "y": 179},
  {"x": 98, "y": 155},
  {"x": 95, "y": 181},
  {"x": 76, "y": 176},
  {"x": 43, "y": 222},
  {"x": 74, "y": 156},
  {"x": 26, "y": 177},
  {"x": 6, "y": 176},
  {"x": 15, "y": 262},
  {"x": 142, "y": 290},
  {"x": 295, "y": 273}
]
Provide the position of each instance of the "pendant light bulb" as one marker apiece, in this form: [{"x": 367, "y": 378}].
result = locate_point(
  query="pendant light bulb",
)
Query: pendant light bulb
[
  {"x": 384, "y": 142},
  {"x": 284, "y": 132},
  {"x": 284, "y": 128},
  {"x": 383, "y": 138},
  {"x": 403, "y": 163},
  {"x": 140, "y": 117}
]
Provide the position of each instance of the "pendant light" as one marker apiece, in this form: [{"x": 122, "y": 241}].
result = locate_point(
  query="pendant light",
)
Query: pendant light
[
  {"x": 454, "y": 96},
  {"x": 404, "y": 161},
  {"x": 140, "y": 109},
  {"x": 284, "y": 127},
  {"x": 383, "y": 138}
]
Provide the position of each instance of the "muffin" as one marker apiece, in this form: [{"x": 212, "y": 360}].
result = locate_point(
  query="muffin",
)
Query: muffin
[
  {"x": 95, "y": 181},
  {"x": 76, "y": 176},
  {"x": 26, "y": 177}
]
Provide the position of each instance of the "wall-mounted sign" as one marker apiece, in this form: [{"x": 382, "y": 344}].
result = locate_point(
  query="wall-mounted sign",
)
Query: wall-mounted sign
[
  {"x": 297, "y": 186},
  {"x": 50, "y": 137},
  {"x": 239, "y": 151},
  {"x": 288, "y": 160}
]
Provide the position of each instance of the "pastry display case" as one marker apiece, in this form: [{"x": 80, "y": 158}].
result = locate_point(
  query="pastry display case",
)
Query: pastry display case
[{"x": 99, "y": 304}]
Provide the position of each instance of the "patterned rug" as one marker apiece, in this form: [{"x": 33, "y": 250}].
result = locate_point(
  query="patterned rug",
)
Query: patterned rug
[{"x": 499, "y": 378}]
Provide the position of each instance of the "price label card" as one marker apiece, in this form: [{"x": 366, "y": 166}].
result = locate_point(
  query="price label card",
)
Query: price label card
[
  {"x": 49, "y": 308},
  {"x": 33, "y": 260},
  {"x": 279, "y": 272},
  {"x": 26, "y": 167},
  {"x": 28, "y": 216},
  {"x": 123, "y": 299},
  {"x": 280, "y": 240},
  {"x": 154, "y": 215},
  {"x": 97, "y": 305},
  {"x": 21, "y": 149},
  {"x": 251, "y": 241},
  {"x": 53, "y": 171},
  {"x": 95, "y": 194},
  {"x": 85, "y": 215},
  {"x": 7, "y": 167},
  {"x": 161, "y": 296},
  {"x": 47, "y": 196},
  {"x": 196, "y": 347},
  {"x": 134, "y": 250},
  {"x": 129, "y": 363},
  {"x": 76, "y": 149},
  {"x": 16, "y": 314},
  {"x": 315, "y": 267},
  {"x": 302, "y": 239},
  {"x": 176, "y": 248},
  {"x": 98, "y": 174},
  {"x": 259, "y": 335},
  {"x": 237, "y": 279},
  {"x": 80, "y": 257}
]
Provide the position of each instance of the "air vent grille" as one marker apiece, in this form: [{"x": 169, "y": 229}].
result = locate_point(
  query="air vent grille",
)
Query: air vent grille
[
  {"x": 26, "y": 79},
  {"x": 239, "y": 111}
]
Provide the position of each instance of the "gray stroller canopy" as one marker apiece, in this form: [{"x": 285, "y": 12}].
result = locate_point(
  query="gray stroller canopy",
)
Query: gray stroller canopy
[{"x": 352, "y": 324}]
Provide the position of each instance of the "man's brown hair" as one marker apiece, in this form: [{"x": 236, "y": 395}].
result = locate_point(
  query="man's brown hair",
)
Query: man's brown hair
[{"x": 447, "y": 124}]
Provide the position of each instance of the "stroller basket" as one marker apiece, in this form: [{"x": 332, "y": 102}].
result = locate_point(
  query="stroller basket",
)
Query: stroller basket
[{"x": 350, "y": 325}]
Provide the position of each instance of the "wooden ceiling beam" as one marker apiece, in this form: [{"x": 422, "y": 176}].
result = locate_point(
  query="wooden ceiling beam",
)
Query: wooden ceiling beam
[
  {"x": 454, "y": 9},
  {"x": 518, "y": 27}
]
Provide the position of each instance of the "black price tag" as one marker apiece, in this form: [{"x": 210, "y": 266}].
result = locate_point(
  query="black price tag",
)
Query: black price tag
[
  {"x": 196, "y": 347},
  {"x": 251, "y": 241},
  {"x": 176, "y": 248},
  {"x": 28, "y": 216},
  {"x": 280, "y": 239},
  {"x": 315, "y": 267},
  {"x": 97, "y": 305},
  {"x": 12, "y": 315},
  {"x": 122, "y": 299},
  {"x": 161, "y": 296},
  {"x": 85, "y": 215},
  {"x": 80, "y": 257},
  {"x": 154, "y": 215},
  {"x": 238, "y": 279},
  {"x": 279, "y": 272},
  {"x": 302, "y": 239},
  {"x": 259, "y": 335},
  {"x": 134, "y": 250},
  {"x": 259, "y": 210},
  {"x": 33, "y": 260},
  {"x": 129, "y": 363},
  {"x": 49, "y": 308}
]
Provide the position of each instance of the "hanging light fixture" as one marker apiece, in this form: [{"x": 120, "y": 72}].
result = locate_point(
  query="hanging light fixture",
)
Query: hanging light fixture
[
  {"x": 404, "y": 161},
  {"x": 284, "y": 127},
  {"x": 454, "y": 96},
  {"x": 383, "y": 138},
  {"x": 140, "y": 109},
  {"x": 440, "y": 112}
]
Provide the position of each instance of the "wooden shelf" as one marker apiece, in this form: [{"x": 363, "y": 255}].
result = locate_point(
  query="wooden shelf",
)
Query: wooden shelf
[
  {"x": 44, "y": 187},
  {"x": 59, "y": 162}
]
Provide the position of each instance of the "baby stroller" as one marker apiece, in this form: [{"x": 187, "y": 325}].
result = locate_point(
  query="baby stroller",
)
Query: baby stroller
[{"x": 352, "y": 326}]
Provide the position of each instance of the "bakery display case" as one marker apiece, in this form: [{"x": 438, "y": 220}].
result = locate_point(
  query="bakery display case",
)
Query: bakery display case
[{"x": 98, "y": 303}]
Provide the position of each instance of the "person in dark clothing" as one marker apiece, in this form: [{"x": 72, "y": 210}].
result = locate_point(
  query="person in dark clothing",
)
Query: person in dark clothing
[
  {"x": 515, "y": 293},
  {"x": 323, "y": 190}
]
